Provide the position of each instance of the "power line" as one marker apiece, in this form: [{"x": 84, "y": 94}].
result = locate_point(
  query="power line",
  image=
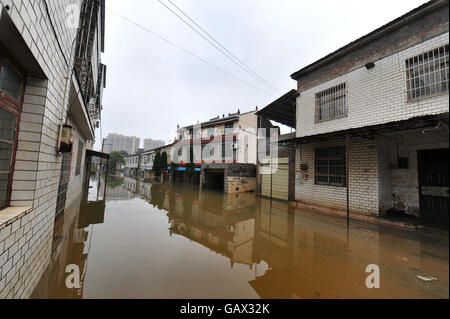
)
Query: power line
[
  {"x": 218, "y": 43},
  {"x": 221, "y": 48},
  {"x": 186, "y": 51}
]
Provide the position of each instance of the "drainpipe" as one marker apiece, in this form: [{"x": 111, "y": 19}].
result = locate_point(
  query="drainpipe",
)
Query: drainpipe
[
  {"x": 347, "y": 178},
  {"x": 271, "y": 173}
]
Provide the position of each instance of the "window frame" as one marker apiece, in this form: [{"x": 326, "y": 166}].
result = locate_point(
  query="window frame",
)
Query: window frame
[
  {"x": 415, "y": 67},
  {"x": 14, "y": 107},
  {"x": 79, "y": 158},
  {"x": 335, "y": 90},
  {"x": 330, "y": 159}
]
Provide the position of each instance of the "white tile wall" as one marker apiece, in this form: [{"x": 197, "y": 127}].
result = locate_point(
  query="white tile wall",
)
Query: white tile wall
[
  {"x": 25, "y": 245},
  {"x": 374, "y": 96}
]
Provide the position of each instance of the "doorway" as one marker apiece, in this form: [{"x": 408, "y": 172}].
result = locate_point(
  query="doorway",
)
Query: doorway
[
  {"x": 433, "y": 187},
  {"x": 214, "y": 179}
]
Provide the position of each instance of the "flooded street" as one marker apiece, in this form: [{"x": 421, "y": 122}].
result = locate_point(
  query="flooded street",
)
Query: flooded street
[{"x": 173, "y": 241}]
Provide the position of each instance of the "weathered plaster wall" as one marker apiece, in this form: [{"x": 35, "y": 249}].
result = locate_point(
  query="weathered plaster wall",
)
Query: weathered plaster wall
[{"x": 405, "y": 182}]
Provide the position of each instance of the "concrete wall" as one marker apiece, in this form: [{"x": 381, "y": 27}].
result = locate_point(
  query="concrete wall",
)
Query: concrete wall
[
  {"x": 234, "y": 184},
  {"x": 374, "y": 96},
  {"x": 237, "y": 178}
]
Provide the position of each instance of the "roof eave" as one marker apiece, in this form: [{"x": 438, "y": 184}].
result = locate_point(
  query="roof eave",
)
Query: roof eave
[{"x": 397, "y": 23}]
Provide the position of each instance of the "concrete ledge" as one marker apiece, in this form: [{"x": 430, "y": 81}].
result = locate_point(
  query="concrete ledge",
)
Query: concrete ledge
[
  {"x": 11, "y": 214},
  {"x": 358, "y": 216}
]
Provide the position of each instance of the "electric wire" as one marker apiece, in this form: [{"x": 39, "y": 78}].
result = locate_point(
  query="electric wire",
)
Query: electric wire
[
  {"x": 186, "y": 51},
  {"x": 221, "y": 48}
]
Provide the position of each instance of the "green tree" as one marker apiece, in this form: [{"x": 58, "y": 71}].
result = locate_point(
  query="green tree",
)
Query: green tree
[
  {"x": 163, "y": 165},
  {"x": 114, "y": 158},
  {"x": 157, "y": 163}
]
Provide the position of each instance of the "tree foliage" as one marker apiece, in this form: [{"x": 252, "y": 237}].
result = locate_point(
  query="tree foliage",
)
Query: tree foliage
[
  {"x": 163, "y": 161},
  {"x": 157, "y": 163},
  {"x": 124, "y": 153},
  {"x": 114, "y": 158},
  {"x": 160, "y": 162}
]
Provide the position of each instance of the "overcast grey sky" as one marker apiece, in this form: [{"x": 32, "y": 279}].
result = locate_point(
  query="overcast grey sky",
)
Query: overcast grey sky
[{"x": 152, "y": 86}]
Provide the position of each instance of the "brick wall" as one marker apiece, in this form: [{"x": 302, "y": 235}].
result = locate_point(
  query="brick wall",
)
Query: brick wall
[
  {"x": 363, "y": 178},
  {"x": 374, "y": 96},
  {"x": 25, "y": 243}
]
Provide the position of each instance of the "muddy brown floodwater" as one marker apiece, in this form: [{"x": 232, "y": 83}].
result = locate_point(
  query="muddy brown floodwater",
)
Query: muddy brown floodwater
[{"x": 173, "y": 241}]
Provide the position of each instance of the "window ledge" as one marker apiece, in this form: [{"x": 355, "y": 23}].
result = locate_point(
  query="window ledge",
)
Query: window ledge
[{"x": 10, "y": 214}]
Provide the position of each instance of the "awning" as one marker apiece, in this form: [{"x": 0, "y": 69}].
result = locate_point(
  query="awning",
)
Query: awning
[
  {"x": 369, "y": 132},
  {"x": 283, "y": 110},
  {"x": 97, "y": 154}
]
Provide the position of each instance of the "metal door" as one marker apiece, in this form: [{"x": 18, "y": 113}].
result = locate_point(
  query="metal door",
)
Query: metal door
[{"x": 433, "y": 187}]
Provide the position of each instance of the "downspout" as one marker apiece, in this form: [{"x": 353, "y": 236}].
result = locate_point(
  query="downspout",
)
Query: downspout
[{"x": 347, "y": 177}]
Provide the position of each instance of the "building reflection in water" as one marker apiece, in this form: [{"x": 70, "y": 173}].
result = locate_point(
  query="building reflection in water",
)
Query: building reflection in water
[
  {"x": 121, "y": 188},
  {"x": 317, "y": 256},
  {"x": 71, "y": 242},
  {"x": 289, "y": 253},
  {"x": 309, "y": 255}
]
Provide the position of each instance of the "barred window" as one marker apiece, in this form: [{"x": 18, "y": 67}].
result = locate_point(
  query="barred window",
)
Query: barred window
[
  {"x": 331, "y": 103},
  {"x": 330, "y": 166},
  {"x": 79, "y": 158},
  {"x": 427, "y": 74}
]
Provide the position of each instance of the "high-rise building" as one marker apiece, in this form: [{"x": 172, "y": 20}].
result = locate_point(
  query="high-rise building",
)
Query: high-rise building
[
  {"x": 150, "y": 144},
  {"x": 119, "y": 142}
]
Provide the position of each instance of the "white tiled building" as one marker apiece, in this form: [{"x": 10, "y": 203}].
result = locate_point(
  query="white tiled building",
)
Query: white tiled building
[
  {"x": 388, "y": 92},
  {"x": 40, "y": 44},
  {"x": 224, "y": 151}
]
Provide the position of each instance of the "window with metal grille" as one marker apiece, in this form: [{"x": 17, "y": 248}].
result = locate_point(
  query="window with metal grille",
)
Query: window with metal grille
[
  {"x": 79, "y": 157},
  {"x": 427, "y": 74},
  {"x": 330, "y": 166},
  {"x": 331, "y": 103}
]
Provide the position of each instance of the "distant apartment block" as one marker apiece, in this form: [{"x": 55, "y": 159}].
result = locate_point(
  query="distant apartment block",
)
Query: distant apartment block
[
  {"x": 150, "y": 144},
  {"x": 119, "y": 142}
]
